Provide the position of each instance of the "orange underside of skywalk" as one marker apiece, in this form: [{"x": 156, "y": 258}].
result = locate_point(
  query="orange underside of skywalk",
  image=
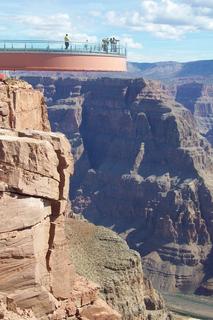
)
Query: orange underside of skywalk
[{"x": 61, "y": 62}]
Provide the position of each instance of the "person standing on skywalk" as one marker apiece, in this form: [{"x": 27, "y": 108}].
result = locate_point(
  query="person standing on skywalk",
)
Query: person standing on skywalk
[{"x": 66, "y": 41}]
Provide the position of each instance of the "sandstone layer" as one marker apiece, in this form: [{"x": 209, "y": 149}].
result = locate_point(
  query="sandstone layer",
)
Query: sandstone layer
[{"x": 142, "y": 168}]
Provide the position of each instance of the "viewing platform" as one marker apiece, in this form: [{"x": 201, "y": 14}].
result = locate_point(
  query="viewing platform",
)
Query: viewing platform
[{"x": 40, "y": 55}]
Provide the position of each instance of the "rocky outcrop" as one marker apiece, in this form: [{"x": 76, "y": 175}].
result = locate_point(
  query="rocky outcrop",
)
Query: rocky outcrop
[
  {"x": 8, "y": 311},
  {"x": 142, "y": 168},
  {"x": 35, "y": 166},
  {"x": 106, "y": 259},
  {"x": 22, "y": 107}
]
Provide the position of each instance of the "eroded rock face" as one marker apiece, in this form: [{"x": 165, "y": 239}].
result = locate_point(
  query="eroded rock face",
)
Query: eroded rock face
[
  {"x": 143, "y": 168},
  {"x": 155, "y": 172},
  {"x": 9, "y": 311},
  {"x": 198, "y": 98},
  {"x": 33, "y": 195},
  {"x": 22, "y": 107},
  {"x": 35, "y": 167},
  {"x": 106, "y": 259}
]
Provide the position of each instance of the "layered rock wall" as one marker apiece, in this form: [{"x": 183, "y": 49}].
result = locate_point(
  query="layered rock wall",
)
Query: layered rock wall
[
  {"x": 142, "y": 168},
  {"x": 43, "y": 273},
  {"x": 198, "y": 98}
]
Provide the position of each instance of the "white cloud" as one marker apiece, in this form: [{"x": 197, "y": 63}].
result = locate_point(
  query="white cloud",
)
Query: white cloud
[
  {"x": 131, "y": 43},
  {"x": 115, "y": 19},
  {"x": 166, "y": 18},
  {"x": 168, "y": 31},
  {"x": 166, "y": 12},
  {"x": 52, "y": 27}
]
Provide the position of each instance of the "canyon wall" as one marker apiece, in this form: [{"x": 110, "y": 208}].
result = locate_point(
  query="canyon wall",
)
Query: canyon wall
[
  {"x": 143, "y": 169},
  {"x": 41, "y": 271},
  {"x": 198, "y": 98}
]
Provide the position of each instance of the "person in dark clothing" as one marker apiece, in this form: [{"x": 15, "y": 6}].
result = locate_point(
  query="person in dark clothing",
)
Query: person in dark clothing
[
  {"x": 115, "y": 44},
  {"x": 105, "y": 44},
  {"x": 111, "y": 44}
]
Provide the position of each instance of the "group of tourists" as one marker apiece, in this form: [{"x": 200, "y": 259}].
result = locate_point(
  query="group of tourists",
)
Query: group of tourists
[
  {"x": 110, "y": 44},
  {"x": 107, "y": 44}
]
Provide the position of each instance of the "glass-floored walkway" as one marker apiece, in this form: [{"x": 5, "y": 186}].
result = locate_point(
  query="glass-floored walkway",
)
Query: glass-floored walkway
[{"x": 59, "y": 47}]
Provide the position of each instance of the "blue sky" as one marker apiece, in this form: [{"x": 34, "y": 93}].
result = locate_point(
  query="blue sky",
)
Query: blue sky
[{"x": 154, "y": 30}]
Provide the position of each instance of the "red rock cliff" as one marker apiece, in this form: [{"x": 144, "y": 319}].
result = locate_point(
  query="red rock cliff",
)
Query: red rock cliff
[
  {"x": 35, "y": 166},
  {"x": 38, "y": 262}
]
